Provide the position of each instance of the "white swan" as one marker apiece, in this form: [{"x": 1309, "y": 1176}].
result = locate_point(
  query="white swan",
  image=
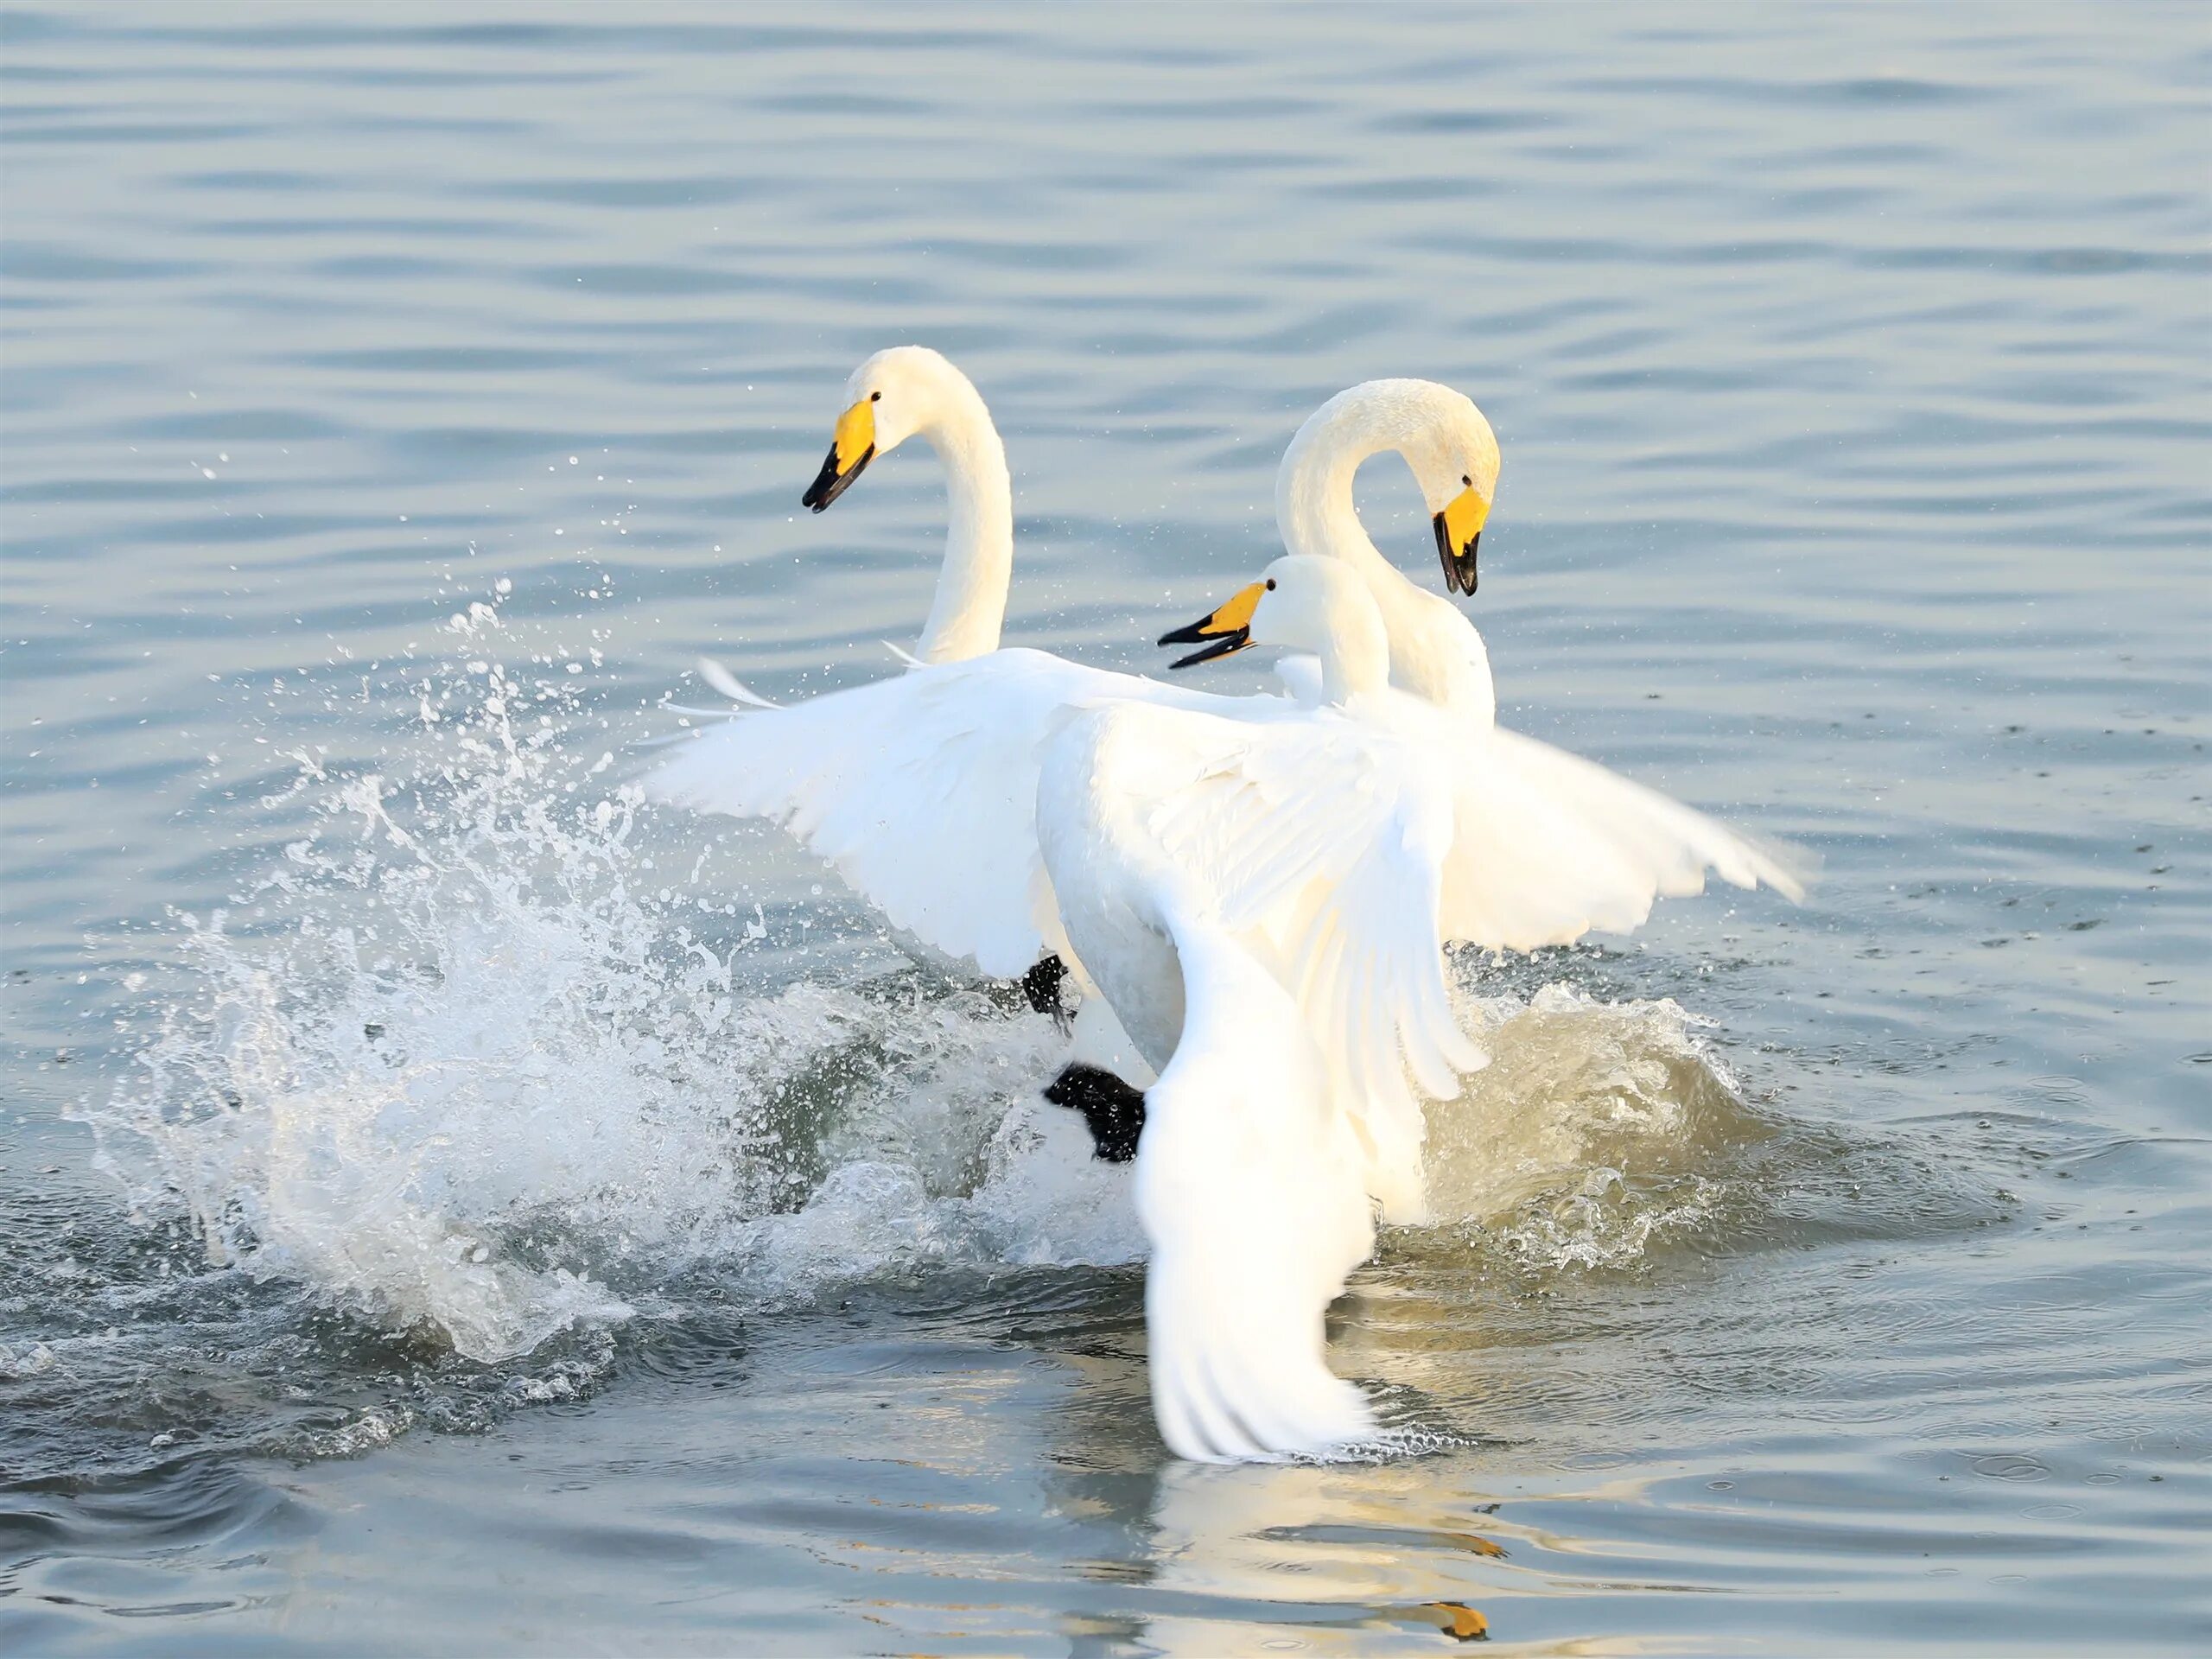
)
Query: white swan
[
  {"x": 1260, "y": 903},
  {"x": 1239, "y": 891},
  {"x": 1538, "y": 847},
  {"x": 911, "y": 391},
  {"x": 1265, "y": 906}
]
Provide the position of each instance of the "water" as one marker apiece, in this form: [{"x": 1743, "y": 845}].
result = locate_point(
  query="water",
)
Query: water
[{"x": 443, "y": 1199}]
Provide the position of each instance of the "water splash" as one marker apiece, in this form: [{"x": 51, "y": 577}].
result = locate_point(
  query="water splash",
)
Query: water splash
[
  {"x": 1591, "y": 1132},
  {"x": 476, "y": 1071}
]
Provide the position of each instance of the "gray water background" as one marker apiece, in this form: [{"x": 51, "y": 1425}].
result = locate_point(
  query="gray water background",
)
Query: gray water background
[{"x": 1850, "y": 366}]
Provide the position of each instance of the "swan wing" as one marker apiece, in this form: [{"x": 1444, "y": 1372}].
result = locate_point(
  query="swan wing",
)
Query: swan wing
[
  {"x": 921, "y": 790},
  {"x": 1549, "y": 847},
  {"x": 1255, "y": 1215},
  {"x": 1322, "y": 841}
]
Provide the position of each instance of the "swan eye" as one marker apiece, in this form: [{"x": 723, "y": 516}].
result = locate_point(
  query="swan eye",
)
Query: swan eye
[
  {"x": 875, "y": 396},
  {"x": 1271, "y": 584},
  {"x": 1464, "y": 479}
]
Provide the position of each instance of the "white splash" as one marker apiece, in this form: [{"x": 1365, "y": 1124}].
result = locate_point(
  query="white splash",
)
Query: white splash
[
  {"x": 474, "y": 1068},
  {"x": 1584, "y": 1138}
]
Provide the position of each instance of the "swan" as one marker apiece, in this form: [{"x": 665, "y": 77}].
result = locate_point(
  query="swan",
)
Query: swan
[
  {"x": 1265, "y": 906},
  {"x": 908, "y": 392},
  {"x": 1539, "y": 848},
  {"x": 1259, "y": 903}
]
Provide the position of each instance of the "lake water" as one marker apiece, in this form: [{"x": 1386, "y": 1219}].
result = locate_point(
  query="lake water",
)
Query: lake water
[{"x": 446, "y": 1209}]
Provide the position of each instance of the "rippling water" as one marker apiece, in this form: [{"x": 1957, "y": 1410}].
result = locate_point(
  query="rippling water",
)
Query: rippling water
[{"x": 442, "y": 1199}]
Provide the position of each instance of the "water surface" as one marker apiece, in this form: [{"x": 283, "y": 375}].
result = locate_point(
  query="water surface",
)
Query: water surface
[{"x": 446, "y": 1207}]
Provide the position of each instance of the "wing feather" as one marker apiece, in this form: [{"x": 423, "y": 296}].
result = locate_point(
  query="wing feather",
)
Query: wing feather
[
  {"x": 1549, "y": 847},
  {"x": 1255, "y": 1214},
  {"x": 921, "y": 790},
  {"x": 1322, "y": 844}
]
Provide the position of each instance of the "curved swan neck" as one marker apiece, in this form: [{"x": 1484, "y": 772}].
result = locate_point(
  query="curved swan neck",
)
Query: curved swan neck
[
  {"x": 1416, "y": 419},
  {"x": 969, "y": 608},
  {"x": 1435, "y": 653},
  {"x": 1314, "y": 510}
]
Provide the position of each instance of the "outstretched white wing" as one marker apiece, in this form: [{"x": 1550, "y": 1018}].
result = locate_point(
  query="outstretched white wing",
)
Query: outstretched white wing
[
  {"x": 920, "y": 789},
  {"x": 1549, "y": 847},
  {"x": 1321, "y": 843}
]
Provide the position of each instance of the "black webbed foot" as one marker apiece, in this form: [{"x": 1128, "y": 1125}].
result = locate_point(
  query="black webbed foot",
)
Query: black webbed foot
[{"x": 1113, "y": 1111}]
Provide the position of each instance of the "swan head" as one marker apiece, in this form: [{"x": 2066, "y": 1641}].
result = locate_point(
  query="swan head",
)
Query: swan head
[
  {"x": 1457, "y": 466},
  {"x": 1443, "y": 438},
  {"x": 895, "y": 394},
  {"x": 1302, "y": 601}
]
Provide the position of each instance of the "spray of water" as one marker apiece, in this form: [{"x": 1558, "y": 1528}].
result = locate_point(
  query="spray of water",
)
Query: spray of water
[
  {"x": 1591, "y": 1132},
  {"x": 484, "y": 1074}
]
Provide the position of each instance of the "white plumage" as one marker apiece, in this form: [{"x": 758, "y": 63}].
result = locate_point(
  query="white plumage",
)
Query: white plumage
[{"x": 921, "y": 791}]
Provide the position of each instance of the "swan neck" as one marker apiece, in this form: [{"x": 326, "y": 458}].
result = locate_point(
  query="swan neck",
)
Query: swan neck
[
  {"x": 1355, "y": 653},
  {"x": 969, "y": 609},
  {"x": 1314, "y": 510}
]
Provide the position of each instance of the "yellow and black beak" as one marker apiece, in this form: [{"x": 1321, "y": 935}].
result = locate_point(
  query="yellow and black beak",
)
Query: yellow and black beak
[
  {"x": 1227, "y": 630},
  {"x": 850, "y": 451},
  {"x": 1459, "y": 532}
]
